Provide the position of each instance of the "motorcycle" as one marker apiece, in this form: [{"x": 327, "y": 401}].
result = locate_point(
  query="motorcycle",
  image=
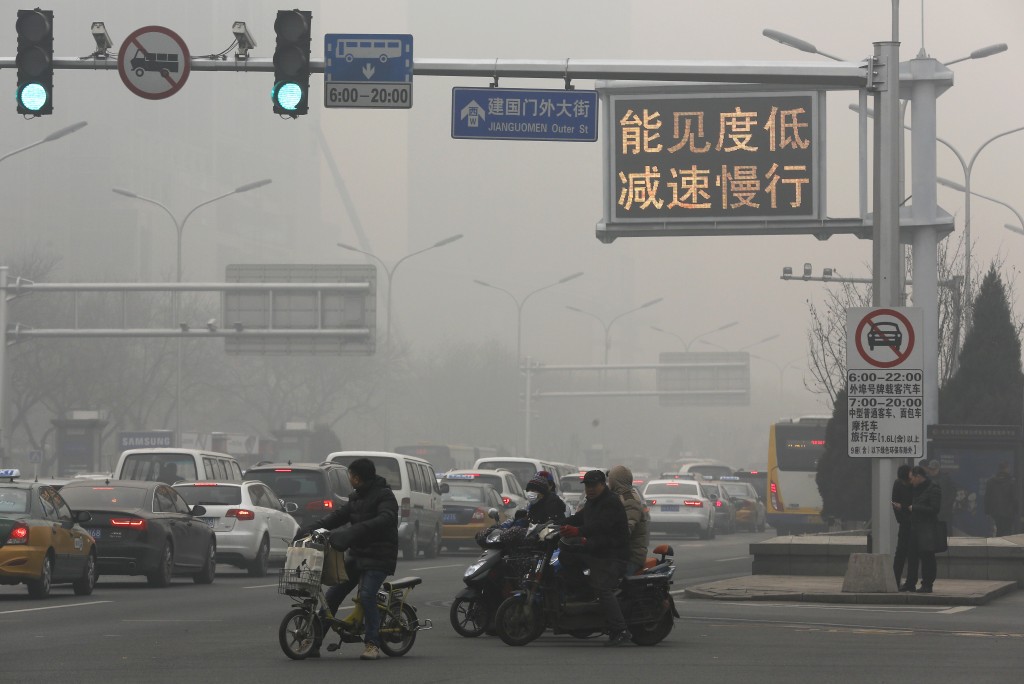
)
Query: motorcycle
[
  {"x": 546, "y": 600},
  {"x": 490, "y": 580}
]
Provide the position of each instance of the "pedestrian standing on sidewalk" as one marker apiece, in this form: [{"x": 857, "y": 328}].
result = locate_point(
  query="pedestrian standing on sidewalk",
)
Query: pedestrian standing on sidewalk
[
  {"x": 924, "y": 531},
  {"x": 902, "y": 498}
]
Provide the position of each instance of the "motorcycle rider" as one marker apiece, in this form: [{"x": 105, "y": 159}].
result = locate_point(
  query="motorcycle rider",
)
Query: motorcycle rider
[
  {"x": 620, "y": 480},
  {"x": 545, "y": 505},
  {"x": 371, "y": 545},
  {"x": 601, "y": 531}
]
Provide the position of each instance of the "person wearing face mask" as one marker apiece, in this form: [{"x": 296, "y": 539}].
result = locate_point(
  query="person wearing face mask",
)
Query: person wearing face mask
[{"x": 545, "y": 506}]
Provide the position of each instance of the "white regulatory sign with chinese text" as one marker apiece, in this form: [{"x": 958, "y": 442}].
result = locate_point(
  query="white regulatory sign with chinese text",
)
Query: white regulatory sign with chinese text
[{"x": 885, "y": 382}]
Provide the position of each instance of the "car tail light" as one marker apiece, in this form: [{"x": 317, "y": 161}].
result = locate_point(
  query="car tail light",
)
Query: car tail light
[
  {"x": 776, "y": 501},
  {"x": 693, "y": 503},
  {"x": 205, "y": 484},
  {"x": 652, "y": 502},
  {"x": 505, "y": 500},
  {"x": 406, "y": 508},
  {"x": 718, "y": 504},
  {"x": 282, "y": 470},
  {"x": 132, "y": 523},
  {"x": 479, "y": 514},
  {"x": 320, "y": 505},
  {"x": 18, "y": 535},
  {"x": 240, "y": 513}
]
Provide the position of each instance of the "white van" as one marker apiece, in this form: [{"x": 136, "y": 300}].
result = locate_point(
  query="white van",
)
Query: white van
[
  {"x": 412, "y": 480},
  {"x": 523, "y": 468},
  {"x": 177, "y": 465}
]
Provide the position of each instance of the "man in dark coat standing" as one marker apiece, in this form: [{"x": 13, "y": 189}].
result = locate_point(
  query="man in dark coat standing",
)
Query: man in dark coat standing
[
  {"x": 902, "y": 498},
  {"x": 924, "y": 530},
  {"x": 601, "y": 530},
  {"x": 370, "y": 542},
  {"x": 1001, "y": 500}
]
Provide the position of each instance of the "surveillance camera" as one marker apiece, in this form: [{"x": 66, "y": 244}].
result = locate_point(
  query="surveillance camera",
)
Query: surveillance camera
[
  {"x": 245, "y": 40},
  {"x": 184, "y": 327},
  {"x": 787, "y": 271},
  {"x": 100, "y": 35},
  {"x": 238, "y": 327},
  {"x": 211, "y": 325},
  {"x": 826, "y": 273}
]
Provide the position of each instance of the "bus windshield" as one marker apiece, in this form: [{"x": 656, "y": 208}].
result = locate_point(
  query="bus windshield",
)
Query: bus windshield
[{"x": 797, "y": 449}]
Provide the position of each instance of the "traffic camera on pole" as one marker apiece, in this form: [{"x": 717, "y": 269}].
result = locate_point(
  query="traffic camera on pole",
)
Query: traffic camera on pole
[
  {"x": 35, "y": 62},
  {"x": 291, "y": 62}
]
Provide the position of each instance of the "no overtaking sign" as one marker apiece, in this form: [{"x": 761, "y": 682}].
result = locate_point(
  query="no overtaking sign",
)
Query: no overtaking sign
[{"x": 885, "y": 382}]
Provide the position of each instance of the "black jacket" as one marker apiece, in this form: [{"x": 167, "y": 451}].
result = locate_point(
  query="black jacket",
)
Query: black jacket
[
  {"x": 603, "y": 522},
  {"x": 924, "y": 518},
  {"x": 1000, "y": 498},
  {"x": 902, "y": 493},
  {"x": 372, "y": 538},
  {"x": 549, "y": 509}
]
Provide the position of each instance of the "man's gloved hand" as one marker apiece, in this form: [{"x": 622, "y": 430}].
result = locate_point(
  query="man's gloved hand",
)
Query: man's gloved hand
[
  {"x": 572, "y": 544},
  {"x": 341, "y": 539},
  {"x": 302, "y": 532},
  {"x": 569, "y": 531}
]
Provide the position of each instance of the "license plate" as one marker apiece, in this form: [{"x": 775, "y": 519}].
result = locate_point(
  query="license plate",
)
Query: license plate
[
  {"x": 449, "y": 517},
  {"x": 93, "y": 532},
  {"x": 670, "y": 508},
  {"x": 209, "y": 521}
]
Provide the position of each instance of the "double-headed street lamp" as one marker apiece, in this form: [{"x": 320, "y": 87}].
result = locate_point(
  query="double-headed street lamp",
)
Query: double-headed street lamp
[
  {"x": 520, "y": 303},
  {"x": 180, "y": 227},
  {"x": 608, "y": 326},
  {"x": 390, "y": 272},
  {"x": 744, "y": 347},
  {"x": 780, "y": 367},
  {"x": 689, "y": 344}
]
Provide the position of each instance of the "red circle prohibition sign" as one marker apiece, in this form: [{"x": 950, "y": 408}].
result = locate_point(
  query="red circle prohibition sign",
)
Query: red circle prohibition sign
[
  {"x": 900, "y": 356},
  {"x": 132, "y": 45}
]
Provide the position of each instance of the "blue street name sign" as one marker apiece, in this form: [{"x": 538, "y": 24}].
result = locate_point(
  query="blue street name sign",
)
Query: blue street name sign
[
  {"x": 370, "y": 70},
  {"x": 512, "y": 114}
]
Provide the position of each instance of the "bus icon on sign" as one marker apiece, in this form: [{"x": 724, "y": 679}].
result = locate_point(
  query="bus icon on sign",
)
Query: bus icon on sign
[
  {"x": 154, "y": 61},
  {"x": 369, "y": 49}
]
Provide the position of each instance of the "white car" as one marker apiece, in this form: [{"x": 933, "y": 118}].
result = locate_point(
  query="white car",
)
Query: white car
[
  {"x": 249, "y": 521},
  {"x": 503, "y": 481},
  {"x": 679, "y": 506}
]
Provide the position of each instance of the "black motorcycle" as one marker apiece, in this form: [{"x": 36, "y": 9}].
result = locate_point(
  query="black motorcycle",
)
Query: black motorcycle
[
  {"x": 490, "y": 580},
  {"x": 547, "y": 600}
]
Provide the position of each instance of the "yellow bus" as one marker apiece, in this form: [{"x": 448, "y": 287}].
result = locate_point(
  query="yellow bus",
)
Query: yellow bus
[{"x": 794, "y": 447}]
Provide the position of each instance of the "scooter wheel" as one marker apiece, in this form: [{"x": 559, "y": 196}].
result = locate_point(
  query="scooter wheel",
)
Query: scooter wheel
[
  {"x": 517, "y": 622},
  {"x": 299, "y": 633},
  {"x": 469, "y": 617}
]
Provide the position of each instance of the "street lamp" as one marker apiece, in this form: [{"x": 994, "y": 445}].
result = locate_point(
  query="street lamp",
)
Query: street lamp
[
  {"x": 794, "y": 42},
  {"x": 50, "y": 138},
  {"x": 391, "y": 272},
  {"x": 780, "y": 367},
  {"x": 180, "y": 227},
  {"x": 744, "y": 347},
  {"x": 608, "y": 326},
  {"x": 956, "y": 186},
  {"x": 689, "y": 344},
  {"x": 520, "y": 303}
]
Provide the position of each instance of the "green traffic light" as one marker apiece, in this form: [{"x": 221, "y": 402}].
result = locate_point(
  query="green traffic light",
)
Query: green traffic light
[
  {"x": 288, "y": 96},
  {"x": 33, "y": 97}
]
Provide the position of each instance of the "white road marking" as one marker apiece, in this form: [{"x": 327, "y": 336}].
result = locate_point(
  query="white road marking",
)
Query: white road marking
[
  {"x": 438, "y": 567},
  {"x": 69, "y": 605},
  {"x": 734, "y": 558},
  {"x": 956, "y": 609},
  {"x": 261, "y": 586}
]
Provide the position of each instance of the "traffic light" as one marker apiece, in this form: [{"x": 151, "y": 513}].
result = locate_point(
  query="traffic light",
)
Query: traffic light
[
  {"x": 35, "y": 62},
  {"x": 291, "y": 62}
]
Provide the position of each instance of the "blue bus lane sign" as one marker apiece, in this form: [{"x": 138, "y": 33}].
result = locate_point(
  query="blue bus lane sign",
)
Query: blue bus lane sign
[
  {"x": 368, "y": 70},
  {"x": 514, "y": 114}
]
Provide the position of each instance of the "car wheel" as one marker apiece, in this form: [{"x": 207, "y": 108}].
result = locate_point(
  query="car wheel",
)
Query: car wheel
[
  {"x": 433, "y": 549},
  {"x": 40, "y": 588},
  {"x": 209, "y": 571},
  {"x": 411, "y": 548},
  {"x": 161, "y": 575},
  {"x": 258, "y": 566},
  {"x": 87, "y": 582}
]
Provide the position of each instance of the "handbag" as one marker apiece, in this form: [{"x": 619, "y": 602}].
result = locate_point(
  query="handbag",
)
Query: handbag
[
  {"x": 334, "y": 567},
  {"x": 942, "y": 534}
]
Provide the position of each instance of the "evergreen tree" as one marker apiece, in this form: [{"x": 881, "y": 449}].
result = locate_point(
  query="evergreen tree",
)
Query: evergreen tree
[
  {"x": 843, "y": 482},
  {"x": 986, "y": 388}
]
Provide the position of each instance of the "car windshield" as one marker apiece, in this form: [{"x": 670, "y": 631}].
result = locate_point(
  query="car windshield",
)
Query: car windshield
[
  {"x": 737, "y": 490},
  {"x": 105, "y": 498},
  {"x": 462, "y": 494},
  {"x": 210, "y": 494},
  {"x": 677, "y": 488},
  {"x": 522, "y": 471},
  {"x": 158, "y": 467},
  {"x": 287, "y": 482},
  {"x": 13, "y": 500},
  {"x": 386, "y": 466},
  {"x": 571, "y": 484},
  {"x": 493, "y": 480}
]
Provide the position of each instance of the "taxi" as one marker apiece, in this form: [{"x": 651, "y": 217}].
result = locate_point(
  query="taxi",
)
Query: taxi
[
  {"x": 41, "y": 542},
  {"x": 469, "y": 508}
]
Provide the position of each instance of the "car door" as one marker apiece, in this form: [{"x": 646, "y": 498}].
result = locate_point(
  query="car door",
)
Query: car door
[
  {"x": 80, "y": 542},
  {"x": 198, "y": 533},
  {"x": 267, "y": 515},
  {"x": 65, "y": 564},
  {"x": 164, "y": 507}
]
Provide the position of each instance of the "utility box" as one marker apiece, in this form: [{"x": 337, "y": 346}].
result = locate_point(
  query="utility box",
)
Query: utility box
[{"x": 79, "y": 441}]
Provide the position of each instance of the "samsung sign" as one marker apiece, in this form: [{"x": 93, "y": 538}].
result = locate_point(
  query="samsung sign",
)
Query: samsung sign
[
  {"x": 154, "y": 439},
  {"x": 688, "y": 161}
]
